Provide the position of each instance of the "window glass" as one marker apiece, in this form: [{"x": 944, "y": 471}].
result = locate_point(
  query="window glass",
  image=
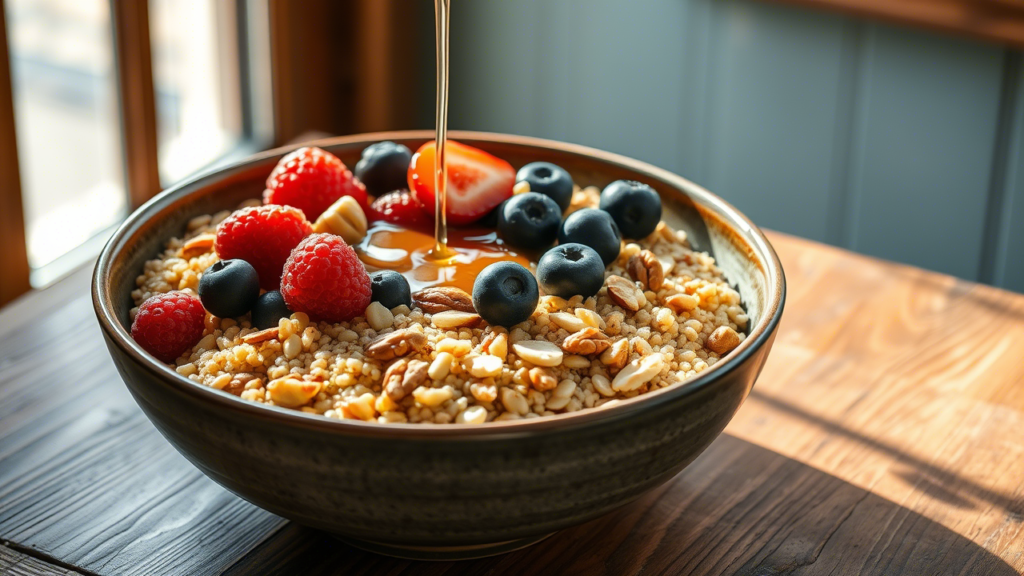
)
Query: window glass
[
  {"x": 66, "y": 110},
  {"x": 197, "y": 84}
]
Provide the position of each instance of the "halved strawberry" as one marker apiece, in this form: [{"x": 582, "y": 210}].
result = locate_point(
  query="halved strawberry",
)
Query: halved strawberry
[
  {"x": 477, "y": 181},
  {"x": 400, "y": 207}
]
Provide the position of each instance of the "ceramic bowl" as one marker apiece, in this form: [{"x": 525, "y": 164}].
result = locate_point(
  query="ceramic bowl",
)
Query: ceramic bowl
[{"x": 443, "y": 491}]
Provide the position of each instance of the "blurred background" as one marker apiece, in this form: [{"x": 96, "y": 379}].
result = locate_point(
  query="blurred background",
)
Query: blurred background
[{"x": 895, "y": 129}]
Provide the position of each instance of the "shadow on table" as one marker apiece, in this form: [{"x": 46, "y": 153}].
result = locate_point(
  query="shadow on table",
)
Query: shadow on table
[{"x": 738, "y": 509}]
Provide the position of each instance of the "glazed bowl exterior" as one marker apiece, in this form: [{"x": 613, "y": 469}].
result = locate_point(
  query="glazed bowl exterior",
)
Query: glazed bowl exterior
[{"x": 412, "y": 485}]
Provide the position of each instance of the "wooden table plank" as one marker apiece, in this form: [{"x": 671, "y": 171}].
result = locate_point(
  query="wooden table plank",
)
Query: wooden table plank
[
  {"x": 14, "y": 563},
  {"x": 884, "y": 437}
]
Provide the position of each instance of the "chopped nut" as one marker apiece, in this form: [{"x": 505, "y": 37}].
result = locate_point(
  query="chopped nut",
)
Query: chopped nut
[
  {"x": 292, "y": 346},
  {"x": 457, "y": 348},
  {"x": 378, "y": 316},
  {"x": 484, "y": 391},
  {"x": 587, "y": 342},
  {"x": 344, "y": 218},
  {"x": 514, "y": 402},
  {"x": 396, "y": 344},
  {"x": 617, "y": 354},
  {"x": 392, "y": 383},
  {"x": 576, "y": 362},
  {"x": 486, "y": 366},
  {"x": 441, "y": 365},
  {"x": 291, "y": 392},
  {"x": 261, "y": 336},
  {"x": 455, "y": 319},
  {"x": 442, "y": 298},
  {"x": 495, "y": 344},
  {"x": 542, "y": 379},
  {"x": 638, "y": 372},
  {"x": 521, "y": 187},
  {"x": 197, "y": 246},
  {"x": 623, "y": 292},
  {"x": 472, "y": 415},
  {"x": 590, "y": 318},
  {"x": 602, "y": 384},
  {"x": 538, "y": 352},
  {"x": 645, "y": 268},
  {"x": 680, "y": 303},
  {"x": 432, "y": 396},
  {"x": 362, "y": 407},
  {"x": 723, "y": 340}
]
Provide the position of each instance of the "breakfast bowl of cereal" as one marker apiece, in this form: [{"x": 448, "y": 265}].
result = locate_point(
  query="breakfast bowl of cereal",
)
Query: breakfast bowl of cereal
[{"x": 299, "y": 327}]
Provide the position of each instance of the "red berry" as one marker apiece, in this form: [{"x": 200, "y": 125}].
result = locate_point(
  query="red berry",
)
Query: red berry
[
  {"x": 400, "y": 207},
  {"x": 477, "y": 181},
  {"x": 325, "y": 279},
  {"x": 311, "y": 179},
  {"x": 169, "y": 324},
  {"x": 264, "y": 237}
]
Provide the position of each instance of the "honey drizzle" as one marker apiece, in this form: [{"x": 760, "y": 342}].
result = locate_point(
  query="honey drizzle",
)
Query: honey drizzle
[{"x": 441, "y": 20}]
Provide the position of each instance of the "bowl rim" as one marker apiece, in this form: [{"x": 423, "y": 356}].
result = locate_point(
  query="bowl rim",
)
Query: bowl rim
[{"x": 760, "y": 334}]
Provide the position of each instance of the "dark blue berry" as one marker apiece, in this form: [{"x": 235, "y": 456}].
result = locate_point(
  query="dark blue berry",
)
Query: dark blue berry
[
  {"x": 505, "y": 294},
  {"x": 269, "y": 310},
  {"x": 550, "y": 180},
  {"x": 635, "y": 206},
  {"x": 229, "y": 288},
  {"x": 570, "y": 269},
  {"x": 384, "y": 167},
  {"x": 529, "y": 221},
  {"x": 390, "y": 289},
  {"x": 594, "y": 228}
]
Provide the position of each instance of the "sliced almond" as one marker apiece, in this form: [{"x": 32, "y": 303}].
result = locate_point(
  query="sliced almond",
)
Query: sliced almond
[
  {"x": 538, "y": 352},
  {"x": 638, "y": 372},
  {"x": 197, "y": 246},
  {"x": 455, "y": 319},
  {"x": 486, "y": 366},
  {"x": 624, "y": 293},
  {"x": 261, "y": 336},
  {"x": 568, "y": 321}
]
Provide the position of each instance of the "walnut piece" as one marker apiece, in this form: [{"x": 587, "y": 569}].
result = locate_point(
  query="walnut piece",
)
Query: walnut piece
[
  {"x": 542, "y": 379},
  {"x": 396, "y": 344},
  {"x": 197, "y": 246},
  {"x": 645, "y": 268},
  {"x": 403, "y": 377},
  {"x": 723, "y": 340},
  {"x": 443, "y": 298},
  {"x": 586, "y": 342}
]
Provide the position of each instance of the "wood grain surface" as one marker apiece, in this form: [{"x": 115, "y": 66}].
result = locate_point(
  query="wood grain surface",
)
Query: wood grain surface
[{"x": 883, "y": 437}]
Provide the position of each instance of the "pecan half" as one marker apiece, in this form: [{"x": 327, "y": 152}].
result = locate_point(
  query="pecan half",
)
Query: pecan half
[
  {"x": 586, "y": 342},
  {"x": 396, "y": 344},
  {"x": 403, "y": 377},
  {"x": 443, "y": 298},
  {"x": 197, "y": 246},
  {"x": 645, "y": 268},
  {"x": 623, "y": 292}
]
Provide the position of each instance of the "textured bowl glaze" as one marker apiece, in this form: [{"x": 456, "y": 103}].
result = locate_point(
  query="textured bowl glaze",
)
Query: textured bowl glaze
[{"x": 436, "y": 490}]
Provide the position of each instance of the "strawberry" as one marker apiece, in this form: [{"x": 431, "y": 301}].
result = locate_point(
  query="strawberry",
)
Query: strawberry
[
  {"x": 477, "y": 181},
  {"x": 400, "y": 207}
]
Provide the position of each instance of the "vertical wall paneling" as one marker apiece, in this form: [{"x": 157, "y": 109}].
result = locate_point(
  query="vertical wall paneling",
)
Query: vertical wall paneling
[
  {"x": 773, "y": 110},
  {"x": 927, "y": 112},
  {"x": 494, "y": 80},
  {"x": 1008, "y": 269}
]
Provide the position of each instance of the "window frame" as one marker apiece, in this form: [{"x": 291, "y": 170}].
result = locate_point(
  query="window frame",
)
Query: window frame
[{"x": 130, "y": 29}]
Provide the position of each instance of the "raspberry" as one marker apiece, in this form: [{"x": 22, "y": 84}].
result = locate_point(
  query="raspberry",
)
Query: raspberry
[
  {"x": 311, "y": 179},
  {"x": 400, "y": 207},
  {"x": 325, "y": 279},
  {"x": 264, "y": 237},
  {"x": 169, "y": 324}
]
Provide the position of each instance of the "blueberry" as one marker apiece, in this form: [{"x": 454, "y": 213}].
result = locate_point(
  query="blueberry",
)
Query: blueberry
[
  {"x": 550, "y": 180},
  {"x": 390, "y": 289},
  {"x": 269, "y": 310},
  {"x": 570, "y": 269},
  {"x": 505, "y": 294},
  {"x": 384, "y": 167},
  {"x": 594, "y": 228},
  {"x": 529, "y": 221},
  {"x": 635, "y": 206},
  {"x": 229, "y": 288}
]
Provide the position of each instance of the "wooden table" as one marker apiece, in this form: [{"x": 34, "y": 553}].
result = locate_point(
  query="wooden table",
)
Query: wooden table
[{"x": 885, "y": 436}]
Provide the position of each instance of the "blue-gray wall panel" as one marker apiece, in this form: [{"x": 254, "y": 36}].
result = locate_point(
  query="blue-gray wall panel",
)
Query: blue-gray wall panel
[
  {"x": 774, "y": 89},
  {"x": 922, "y": 158},
  {"x": 1009, "y": 257}
]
